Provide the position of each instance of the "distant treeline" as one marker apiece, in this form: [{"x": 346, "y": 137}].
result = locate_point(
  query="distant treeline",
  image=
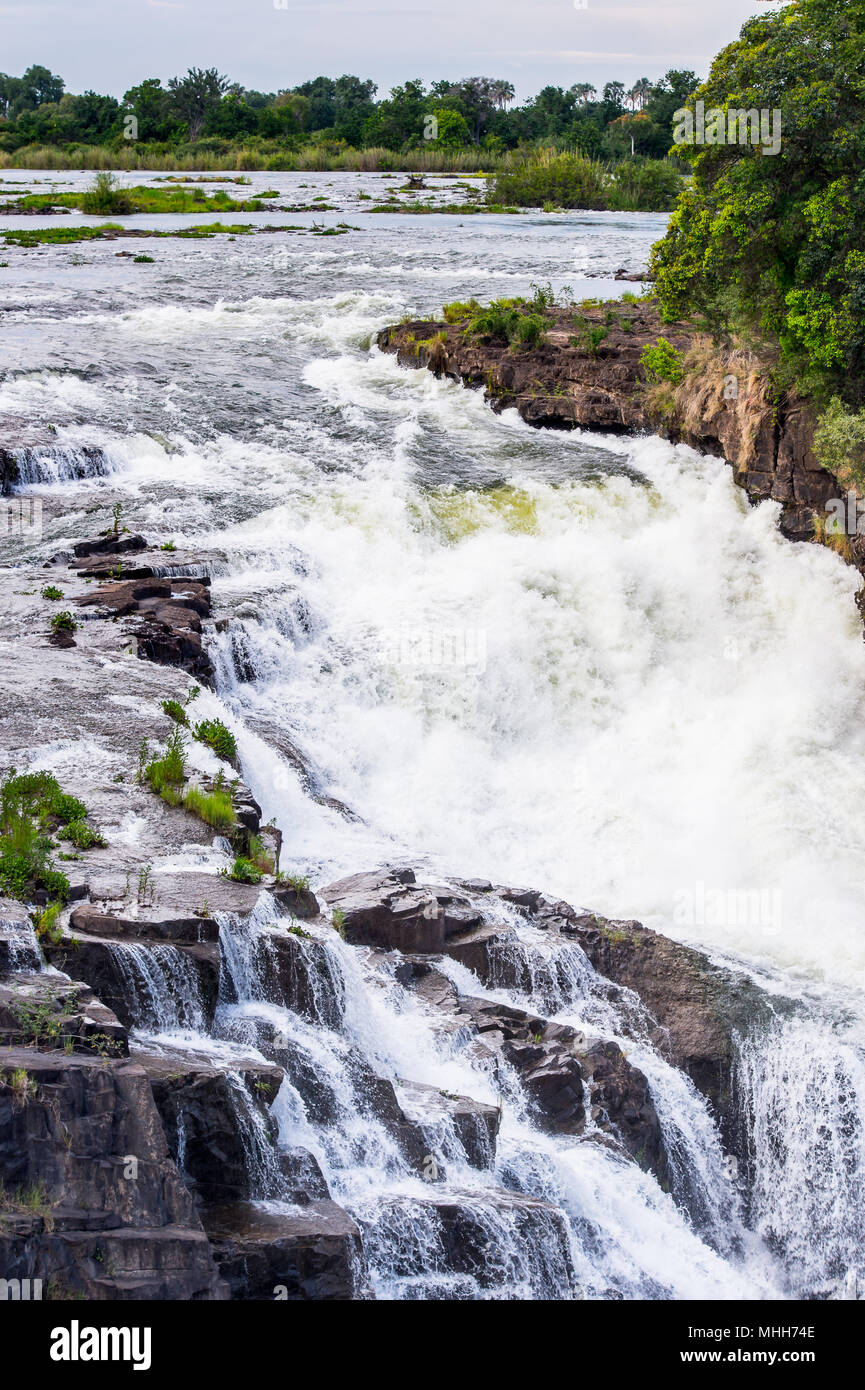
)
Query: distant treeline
[{"x": 472, "y": 122}]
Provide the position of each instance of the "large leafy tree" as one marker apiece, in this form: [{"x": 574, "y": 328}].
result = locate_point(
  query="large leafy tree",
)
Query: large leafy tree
[
  {"x": 194, "y": 95},
  {"x": 773, "y": 244}
]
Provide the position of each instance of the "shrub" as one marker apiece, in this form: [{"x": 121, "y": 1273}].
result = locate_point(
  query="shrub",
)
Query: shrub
[
  {"x": 496, "y": 321},
  {"x": 63, "y": 622},
  {"x": 650, "y": 185},
  {"x": 662, "y": 362},
  {"x": 83, "y": 836},
  {"x": 175, "y": 711},
  {"x": 839, "y": 443},
  {"x": 105, "y": 197},
  {"x": 169, "y": 770},
  {"x": 47, "y": 926},
  {"x": 217, "y": 736},
  {"x": 564, "y": 180},
  {"x": 529, "y": 330},
  {"x": 52, "y": 592},
  {"x": 243, "y": 871}
]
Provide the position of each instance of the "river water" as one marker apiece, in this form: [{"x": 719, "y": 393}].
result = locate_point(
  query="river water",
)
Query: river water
[{"x": 569, "y": 660}]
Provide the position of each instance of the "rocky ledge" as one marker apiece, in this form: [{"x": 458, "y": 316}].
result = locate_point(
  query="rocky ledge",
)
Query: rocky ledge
[
  {"x": 585, "y": 372},
  {"x": 134, "y": 1167}
]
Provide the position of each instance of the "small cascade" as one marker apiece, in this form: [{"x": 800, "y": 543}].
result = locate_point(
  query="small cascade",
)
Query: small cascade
[
  {"x": 266, "y": 1179},
  {"x": 266, "y": 963},
  {"x": 161, "y": 985},
  {"x": 47, "y": 464},
  {"x": 802, "y": 1093}
]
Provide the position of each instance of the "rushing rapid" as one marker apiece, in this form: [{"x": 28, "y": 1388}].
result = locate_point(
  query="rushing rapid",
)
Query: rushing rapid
[{"x": 575, "y": 661}]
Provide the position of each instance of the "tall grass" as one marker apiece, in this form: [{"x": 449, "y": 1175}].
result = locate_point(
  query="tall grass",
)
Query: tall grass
[{"x": 220, "y": 155}]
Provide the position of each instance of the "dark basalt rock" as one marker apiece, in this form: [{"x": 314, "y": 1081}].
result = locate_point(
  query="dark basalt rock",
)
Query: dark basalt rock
[
  {"x": 207, "y": 1123},
  {"x": 116, "y": 1221},
  {"x": 109, "y": 545},
  {"x": 561, "y": 1070},
  {"x": 389, "y": 909},
  {"x": 431, "y": 1111},
  {"x": 55, "y": 1011},
  {"x": 700, "y": 1007},
  {"x": 316, "y": 1254},
  {"x": 170, "y": 608}
]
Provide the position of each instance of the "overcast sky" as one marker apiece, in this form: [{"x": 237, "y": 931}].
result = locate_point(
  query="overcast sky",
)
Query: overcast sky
[{"x": 109, "y": 45}]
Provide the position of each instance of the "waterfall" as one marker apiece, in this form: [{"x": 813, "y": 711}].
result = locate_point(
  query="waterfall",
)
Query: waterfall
[
  {"x": 161, "y": 985},
  {"x": 802, "y": 1096},
  {"x": 50, "y": 463}
]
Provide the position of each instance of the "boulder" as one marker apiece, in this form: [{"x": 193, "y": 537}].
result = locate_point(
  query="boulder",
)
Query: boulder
[{"x": 314, "y": 1254}]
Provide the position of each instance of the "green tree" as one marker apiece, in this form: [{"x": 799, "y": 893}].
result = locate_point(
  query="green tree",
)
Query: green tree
[
  {"x": 772, "y": 243},
  {"x": 194, "y": 95}
]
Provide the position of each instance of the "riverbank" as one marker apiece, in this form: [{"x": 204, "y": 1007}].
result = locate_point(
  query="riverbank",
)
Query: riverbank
[{"x": 585, "y": 367}]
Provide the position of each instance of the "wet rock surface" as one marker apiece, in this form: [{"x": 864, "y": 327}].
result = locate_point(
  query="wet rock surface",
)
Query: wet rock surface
[
  {"x": 112, "y": 1219},
  {"x": 314, "y": 1254}
]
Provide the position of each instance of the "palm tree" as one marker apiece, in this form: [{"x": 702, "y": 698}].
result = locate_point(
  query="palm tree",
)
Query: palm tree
[
  {"x": 502, "y": 93},
  {"x": 584, "y": 92},
  {"x": 640, "y": 93}
]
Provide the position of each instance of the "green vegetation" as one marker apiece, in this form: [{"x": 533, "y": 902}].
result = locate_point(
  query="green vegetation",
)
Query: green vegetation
[
  {"x": 103, "y": 198},
  {"x": 107, "y": 198},
  {"x": 662, "y": 363},
  {"x": 460, "y": 309},
  {"x": 52, "y": 592},
  {"x": 147, "y": 260},
  {"x": 166, "y": 776},
  {"x": 217, "y": 736},
  {"x": 33, "y": 807},
  {"x": 58, "y": 236},
  {"x": 839, "y": 443},
  {"x": 202, "y": 120},
  {"x": 174, "y": 709},
  {"x": 168, "y": 772},
  {"x": 214, "y": 808},
  {"x": 768, "y": 246},
  {"x": 82, "y": 835},
  {"x": 29, "y": 1201},
  {"x": 243, "y": 871},
  {"x": 552, "y": 180},
  {"x": 63, "y": 622}
]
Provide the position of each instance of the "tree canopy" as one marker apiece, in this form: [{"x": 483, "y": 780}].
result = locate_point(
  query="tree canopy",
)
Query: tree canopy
[{"x": 773, "y": 244}]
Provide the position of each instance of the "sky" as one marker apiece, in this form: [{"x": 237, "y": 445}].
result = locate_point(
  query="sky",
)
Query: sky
[{"x": 109, "y": 45}]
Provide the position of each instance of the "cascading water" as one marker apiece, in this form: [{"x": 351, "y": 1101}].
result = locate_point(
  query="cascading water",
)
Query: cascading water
[
  {"x": 577, "y": 662},
  {"x": 161, "y": 985}
]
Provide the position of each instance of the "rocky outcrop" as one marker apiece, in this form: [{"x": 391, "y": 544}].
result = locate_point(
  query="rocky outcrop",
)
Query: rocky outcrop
[
  {"x": 91, "y": 1201},
  {"x": 586, "y": 373},
  {"x": 170, "y": 609},
  {"x": 563, "y": 1073},
  {"x": 211, "y": 1118},
  {"x": 314, "y": 1255}
]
